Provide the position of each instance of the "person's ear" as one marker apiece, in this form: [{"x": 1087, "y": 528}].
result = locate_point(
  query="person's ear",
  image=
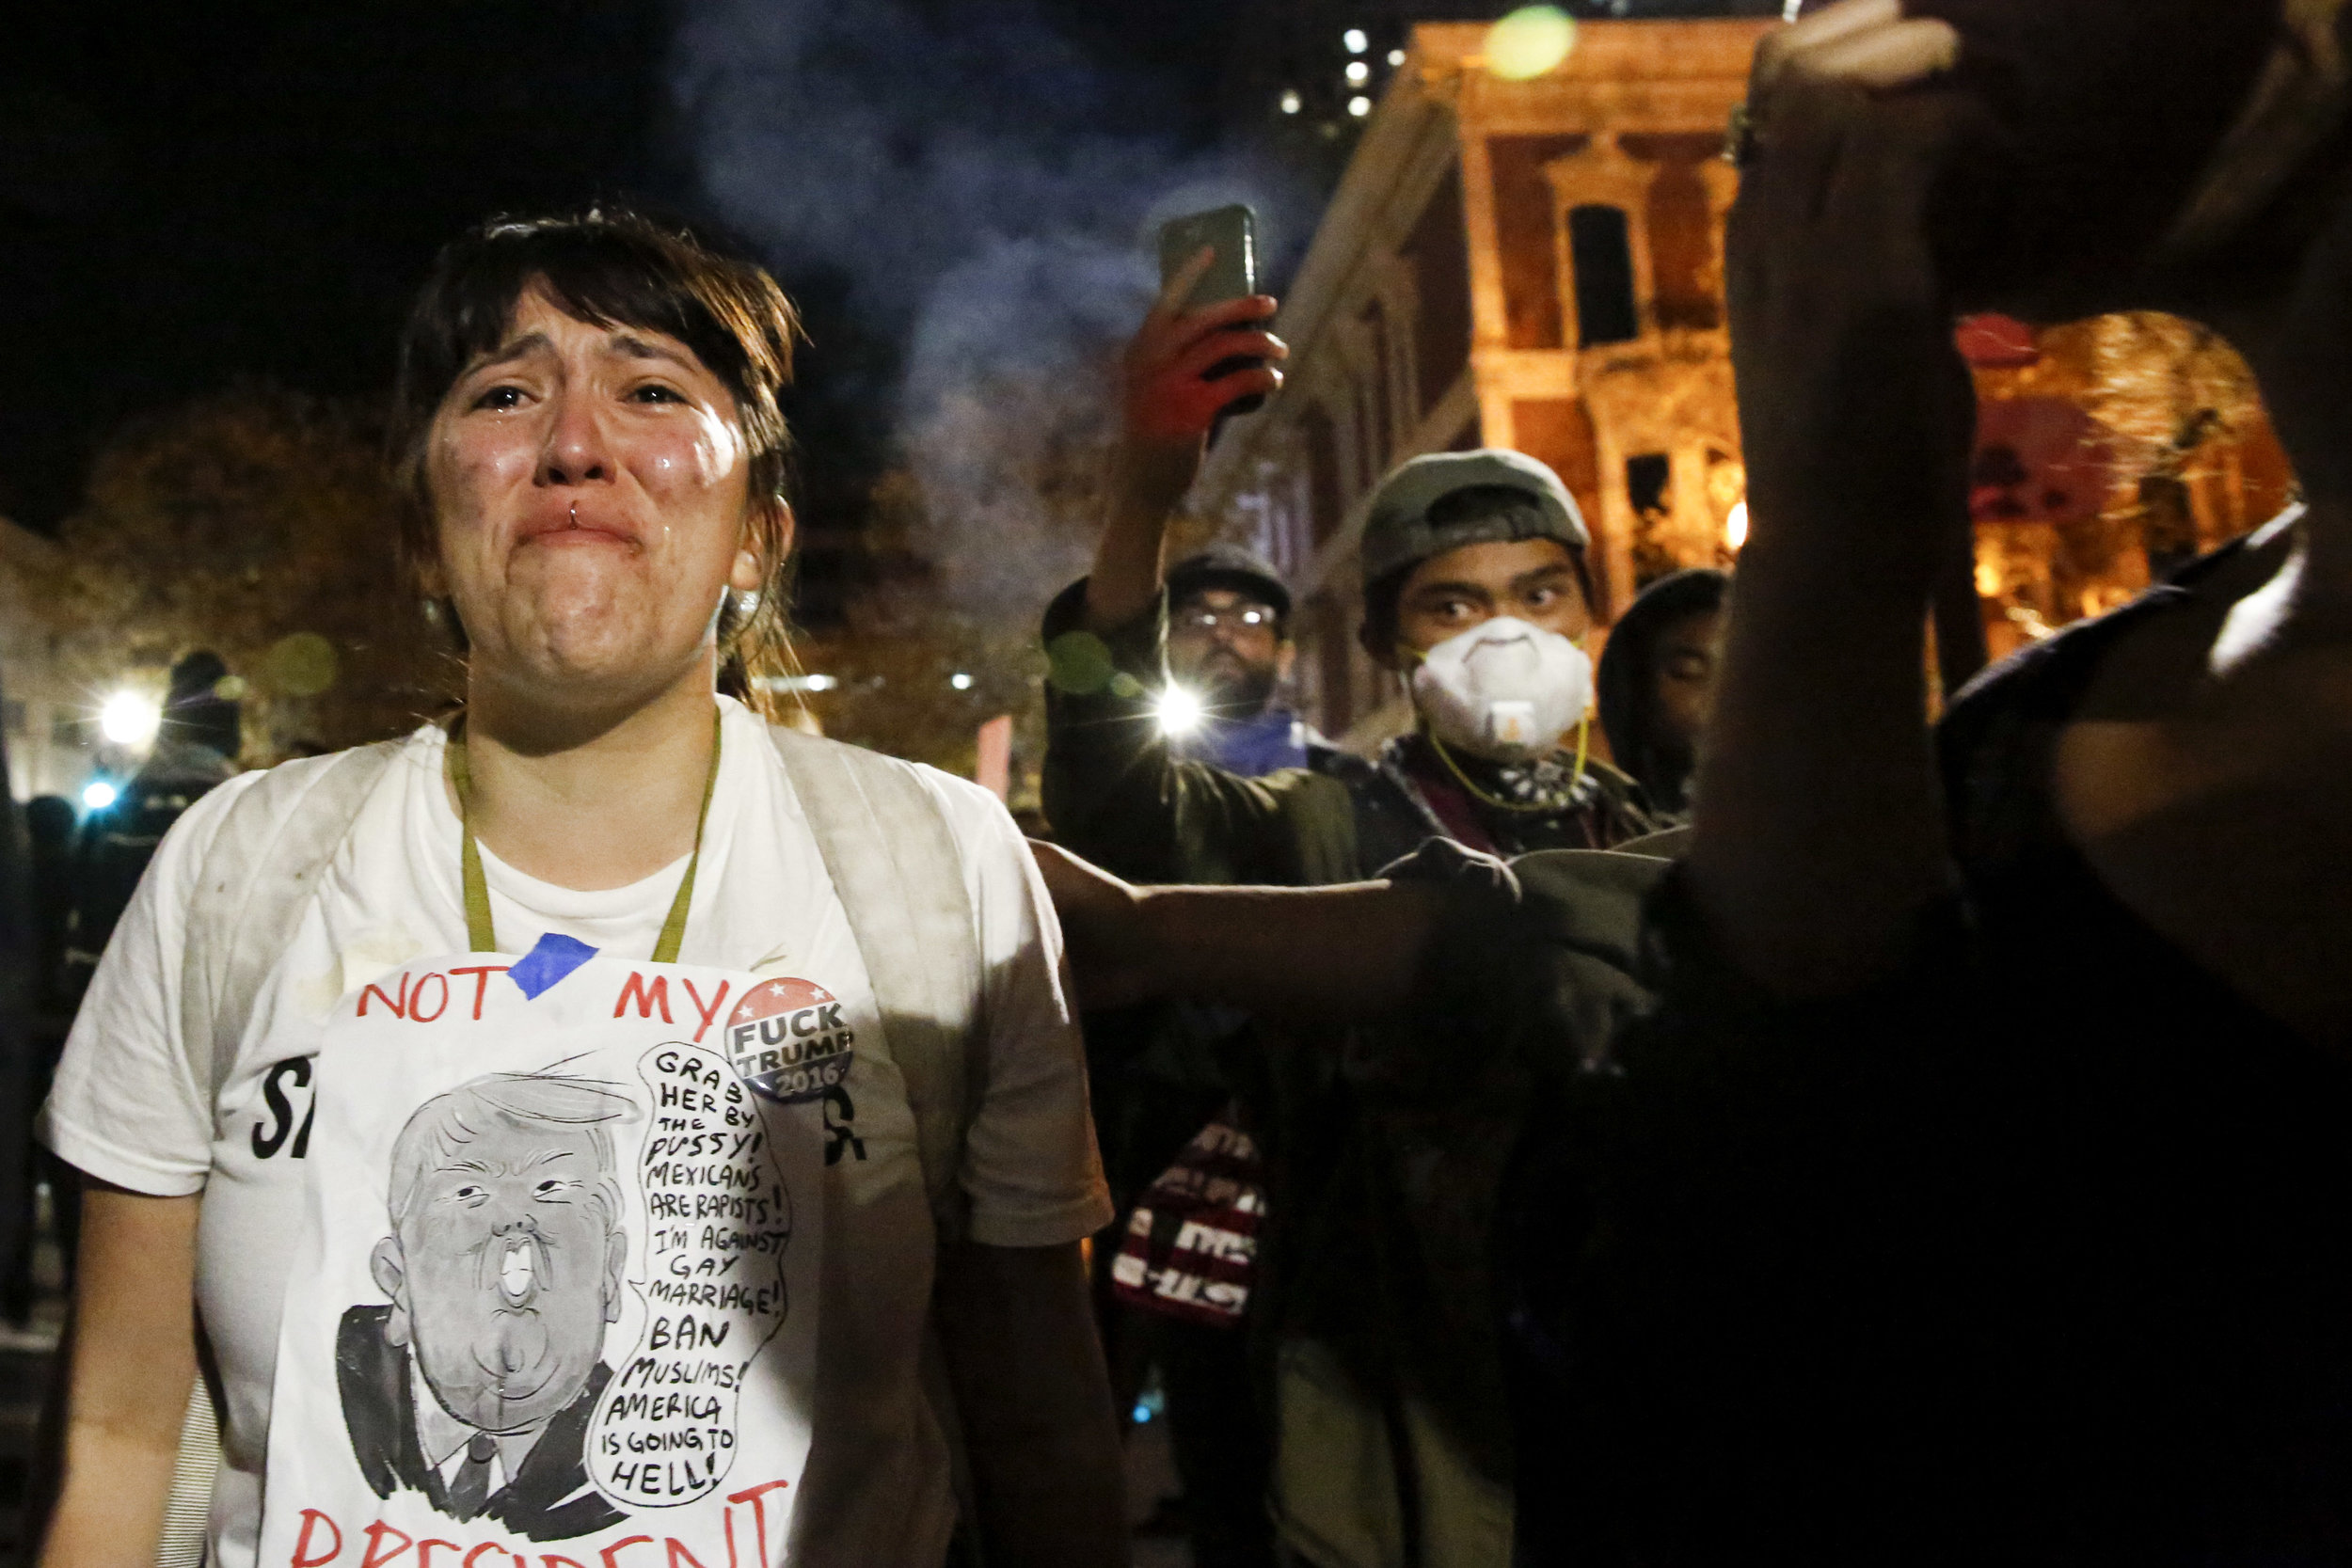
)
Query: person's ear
[
  {"x": 615, "y": 1267},
  {"x": 754, "y": 564},
  {"x": 389, "y": 1272}
]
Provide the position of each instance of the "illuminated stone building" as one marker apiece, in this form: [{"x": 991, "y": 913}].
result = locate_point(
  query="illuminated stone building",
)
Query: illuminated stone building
[
  {"x": 1538, "y": 263},
  {"x": 1530, "y": 263}
]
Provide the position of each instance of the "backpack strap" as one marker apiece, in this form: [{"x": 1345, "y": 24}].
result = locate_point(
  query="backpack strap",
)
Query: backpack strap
[
  {"x": 895, "y": 864},
  {"x": 256, "y": 879},
  {"x": 258, "y": 876}
]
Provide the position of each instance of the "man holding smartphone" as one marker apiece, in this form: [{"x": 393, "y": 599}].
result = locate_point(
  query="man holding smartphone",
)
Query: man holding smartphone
[{"x": 1373, "y": 1311}]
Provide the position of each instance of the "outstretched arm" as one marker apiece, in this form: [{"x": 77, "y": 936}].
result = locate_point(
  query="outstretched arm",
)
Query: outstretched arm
[
  {"x": 1330, "y": 955},
  {"x": 1820, "y": 836},
  {"x": 1111, "y": 785},
  {"x": 1166, "y": 407}
]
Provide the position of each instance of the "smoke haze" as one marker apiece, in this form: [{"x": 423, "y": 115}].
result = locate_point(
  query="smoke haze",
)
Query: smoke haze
[{"x": 984, "y": 192}]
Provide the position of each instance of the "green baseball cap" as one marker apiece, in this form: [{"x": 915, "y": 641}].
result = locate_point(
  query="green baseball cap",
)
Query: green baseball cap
[{"x": 1398, "y": 531}]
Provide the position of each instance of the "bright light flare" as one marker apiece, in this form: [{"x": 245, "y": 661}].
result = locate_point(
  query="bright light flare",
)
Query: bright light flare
[
  {"x": 1529, "y": 41},
  {"x": 1396, "y": 56},
  {"x": 961, "y": 681},
  {"x": 97, "y": 795},
  {"x": 1736, "y": 526},
  {"x": 1290, "y": 100},
  {"x": 1358, "y": 72},
  {"x": 1179, "y": 711},
  {"x": 1360, "y": 107},
  {"x": 129, "y": 720},
  {"x": 1356, "y": 40}
]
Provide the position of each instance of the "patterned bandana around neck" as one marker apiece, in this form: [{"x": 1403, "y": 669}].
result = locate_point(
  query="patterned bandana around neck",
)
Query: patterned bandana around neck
[{"x": 1550, "y": 783}]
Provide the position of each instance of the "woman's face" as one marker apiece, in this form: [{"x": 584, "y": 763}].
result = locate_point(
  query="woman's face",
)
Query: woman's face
[{"x": 591, "y": 499}]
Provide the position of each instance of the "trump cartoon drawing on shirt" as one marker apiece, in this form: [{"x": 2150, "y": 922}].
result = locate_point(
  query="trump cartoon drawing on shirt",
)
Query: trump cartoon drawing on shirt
[{"x": 503, "y": 1264}]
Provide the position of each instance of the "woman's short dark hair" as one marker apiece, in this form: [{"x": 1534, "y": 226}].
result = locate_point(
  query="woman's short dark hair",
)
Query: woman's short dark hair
[{"x": 611, "y": 268}]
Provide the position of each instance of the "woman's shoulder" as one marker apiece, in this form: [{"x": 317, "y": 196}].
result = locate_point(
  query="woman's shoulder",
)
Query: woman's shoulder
[{"x": 971, "y": 813}]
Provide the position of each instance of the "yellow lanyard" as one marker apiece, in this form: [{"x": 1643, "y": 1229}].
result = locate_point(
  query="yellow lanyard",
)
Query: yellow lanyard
[{"x": 479, "y": 937}]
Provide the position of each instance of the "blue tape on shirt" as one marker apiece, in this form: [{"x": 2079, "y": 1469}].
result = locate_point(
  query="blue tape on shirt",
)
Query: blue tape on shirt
[{"x": 555, "y": 957}]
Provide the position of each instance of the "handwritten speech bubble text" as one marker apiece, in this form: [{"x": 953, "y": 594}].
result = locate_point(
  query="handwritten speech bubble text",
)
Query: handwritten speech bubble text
[{"x": 718, "y": 1218}]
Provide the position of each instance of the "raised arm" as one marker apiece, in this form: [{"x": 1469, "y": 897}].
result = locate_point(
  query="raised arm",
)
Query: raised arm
[
  {"x": 132, "y": 1364},
  {"x": 1167, "y": 407},
  {"x": 1111, "y": 787},
  {"x": 1818, "y": 835}
]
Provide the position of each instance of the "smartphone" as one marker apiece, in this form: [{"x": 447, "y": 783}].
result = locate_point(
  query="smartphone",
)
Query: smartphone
[{"x": 1233, "y": 231}]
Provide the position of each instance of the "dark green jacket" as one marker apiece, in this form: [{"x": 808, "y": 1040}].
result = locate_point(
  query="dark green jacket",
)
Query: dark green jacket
[
  {"x": 1385, "y": 1155},
  {"x": 1118, "y": 795}
]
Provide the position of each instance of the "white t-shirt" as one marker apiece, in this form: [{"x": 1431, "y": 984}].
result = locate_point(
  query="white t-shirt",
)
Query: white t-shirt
[{"x": 131, "y": 1106}]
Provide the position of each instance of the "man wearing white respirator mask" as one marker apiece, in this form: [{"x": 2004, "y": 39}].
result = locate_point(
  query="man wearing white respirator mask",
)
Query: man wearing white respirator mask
[
  {"x": 1475, "y": 594},
  {"x": 1475, "y": 591},
  {"x": 1391, "y": 1424}
]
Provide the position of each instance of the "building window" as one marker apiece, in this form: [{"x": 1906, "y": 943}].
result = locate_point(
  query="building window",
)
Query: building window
[
  {"x": 1649, "y": 487},
  {"x": 1440, "y": 251},
  {"x": 1337, "y": 666},
  {"x": 1323, "y": 473},
  {"x": 1383, "y": 420},
  {"x": 1600, "y": 250}
]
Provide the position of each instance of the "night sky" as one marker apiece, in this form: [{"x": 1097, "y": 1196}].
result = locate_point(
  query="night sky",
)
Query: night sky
[{"x": 194, "y": 194}]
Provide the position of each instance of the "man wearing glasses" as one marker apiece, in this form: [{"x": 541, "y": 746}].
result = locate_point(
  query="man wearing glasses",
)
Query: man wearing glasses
[
  {"x": 1369, "y": 1339},
  {"x": 1229, "y": 648}
]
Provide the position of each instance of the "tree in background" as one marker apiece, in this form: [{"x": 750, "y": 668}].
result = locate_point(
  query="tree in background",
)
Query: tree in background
[{"x": 256, "y": 522}]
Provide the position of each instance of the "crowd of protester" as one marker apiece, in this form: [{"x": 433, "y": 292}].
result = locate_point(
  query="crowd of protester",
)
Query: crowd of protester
[
  {"x": 1681, "y": 1107},
  {"x": 1938, "y": 1156}
]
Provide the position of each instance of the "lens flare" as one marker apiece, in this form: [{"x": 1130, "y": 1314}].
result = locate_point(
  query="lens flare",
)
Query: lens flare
[
  {"x": 129, "y": 720},
  {"x": 97, "y": 796},
  {"x": 1529, "y": 41},
  {"x": 1179, "y": 711}
]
